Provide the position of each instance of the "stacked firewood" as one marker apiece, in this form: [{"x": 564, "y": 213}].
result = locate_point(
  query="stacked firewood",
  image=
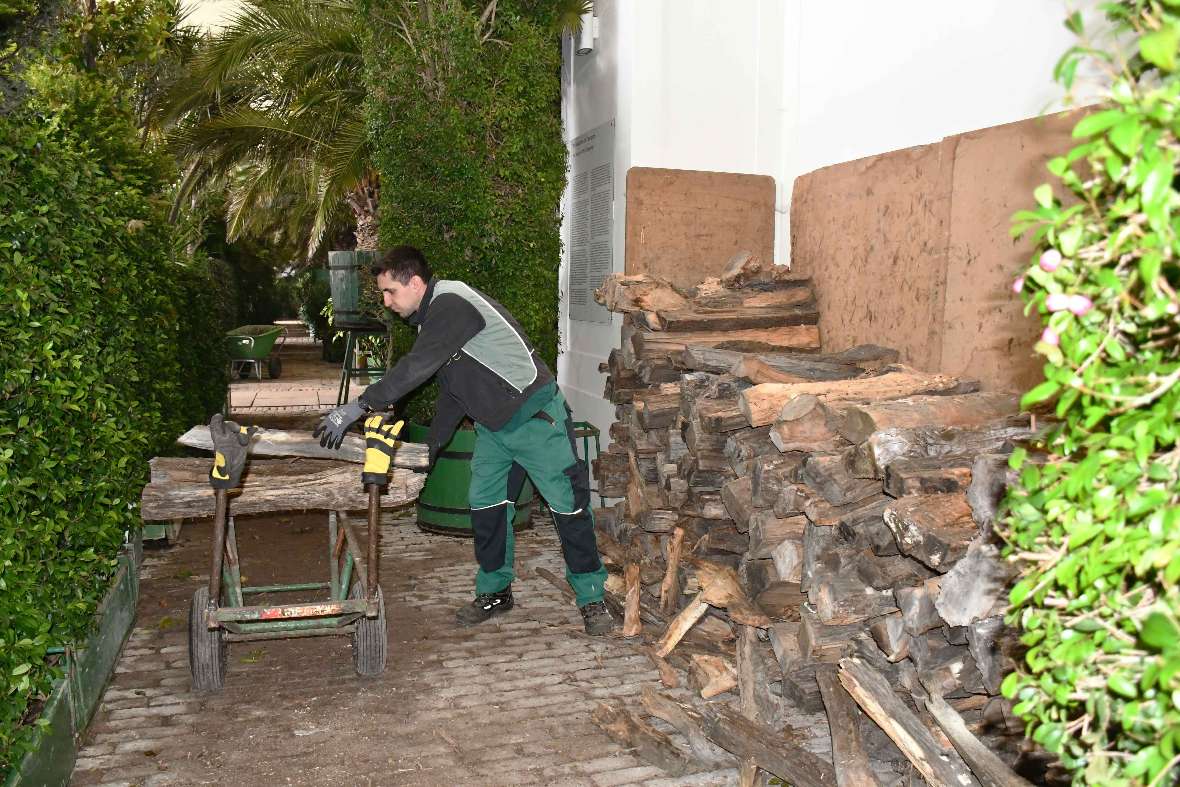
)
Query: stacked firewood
[{"x": 806, "y": 534}]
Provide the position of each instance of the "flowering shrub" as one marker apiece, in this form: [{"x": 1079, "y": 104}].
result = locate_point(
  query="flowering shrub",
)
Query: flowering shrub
[{"x": 1096, "y": 527}]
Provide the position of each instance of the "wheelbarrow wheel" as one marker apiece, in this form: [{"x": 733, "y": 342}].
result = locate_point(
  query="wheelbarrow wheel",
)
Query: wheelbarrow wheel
[
  {"x": 369, "y": 638},
  {"x": 206, "y": 647},
  {"x": 274, "y": 367}
]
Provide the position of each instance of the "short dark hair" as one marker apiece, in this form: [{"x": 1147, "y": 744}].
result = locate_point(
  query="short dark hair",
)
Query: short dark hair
[{"x": 403, "y": 263}]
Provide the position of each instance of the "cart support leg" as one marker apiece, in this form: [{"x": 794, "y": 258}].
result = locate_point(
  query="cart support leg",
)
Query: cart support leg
[
  {"x": 374, "y": 517},
  {"x": 232, "y": 574},
  {"x": 333, "y": 559},
  {"x": 218, "y": 547}
]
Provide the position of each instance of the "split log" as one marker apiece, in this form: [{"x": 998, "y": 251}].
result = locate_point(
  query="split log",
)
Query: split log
[
  {"x": 659, "y": 520},
  {"x": 823, "y": 513},
  {"x": 844, "y": 599},
  {"x": 755, "y": 700},
  {"x": 917, "y": 605},
  {"x": 770, "y": 473},
  {"x": 744, "y": 266},
  {"x": 179, "y": 488},
  {"x": 783, "y": 368},
  {"x": 711, "y": 675},
  {"x": 934, "y": 529},
  {"x": 788, "y": 560},
  {"x": 990, "y": 769},
  {"x": 831, "y": 476},
  {"x": 949, "y": 671},
  {"x": 704, "y": 751},
  {"x": 648, "y": 743},
  {"x": 641, "y": 292},
  {"x": 762, "y": 404},
  {"x": 818, "y": 543},
  {"x": 875, "y": 695},
  {"x": 719, "y": 536},
  {"x": 668, "y": 675},
  {"x": 984, "y": 640},
  {"x": 658, "y": 408},
  {"x": 750, "y": 740},
  {"x": 767, "y": 531},
  {"x": 935, "y": 476},
  {"x": 275, "y": 442},
  {"x": 704, "y": 505},
  {"x": 719, "y": 588},
  {"x": 717, "y": 416},
  {"x": 802, "y": 425},
  {"x": 798, "y": 672},
  {"x": 699, "y": 318},
  {"x": 743, "y": 447},
  {"x": 975, "y": 587},
  {"x": 780, "y": 600},
  {"x": 855, "y": 422},
  {"x": 868, "y": 531},
  {"x": 657, "y": 344},
  {"x": 632, "y": 625},
  {"x": 888, "y": 445},
  {"x": 849, "y": 758},
  {"x": 670, "y": 586},
  {"x": 611, "y": 472},
  {"x": 738, "y": 501},
  {"x": 889, "y": 632},
  {"x": 886, "y": 573},
  {"x": 699, "y": 358},
  {"x": 990, "y": 479},
  {"x": 821, "y": 642}
]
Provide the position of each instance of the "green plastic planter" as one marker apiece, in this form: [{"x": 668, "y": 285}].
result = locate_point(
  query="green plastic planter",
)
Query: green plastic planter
[
  {"x": 443, "y": 505},
  {"x": 76, "y": 697}
]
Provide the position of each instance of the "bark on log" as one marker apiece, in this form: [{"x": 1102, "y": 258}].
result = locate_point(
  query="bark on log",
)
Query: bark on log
[
  {"x": 670, "y": 586},
  {"x": 762, "y": 404},
  {"x": 934, "y": 529},
  {"x": 658, "y": 408},
  {"x": 767, "y": 531},
  {"x": 746, "y": 739},
  {"x": 875, "y": 695},
  {"x": 856, "y": 422},
  {"x": 990, "y": 478},
  {"x": 179, "y": 488},
  {"x": 823, "y": 513},
  {"x": 797, "y": 338},
  {"x": 821, "y": 642},
  {"x": 889, "y": 632},
  {"x": 770, "y": 473},
  {"x": 738, "y": 500},
  {"x": 888, "y": 445},
  {"x": 705, "y": 319},
  {"x": 703, "y": 750},
  {"x": 849, "y": 758},
  {"x": 780, "y": 600},
  {"x": 632, "y": 625},
  {"x": 984, "y": 640},
  {"x": 987, "y": 767},
  {"x": 276, "y": 442},
  {"x": 937, "y": 476},
  {"x": 843, "y": 599},
  {"x": 831, "y": 476},
  {"x": 648, "y": 743}
]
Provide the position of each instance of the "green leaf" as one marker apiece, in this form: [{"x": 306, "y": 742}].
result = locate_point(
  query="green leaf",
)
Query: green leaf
[
  {"x": 1119, "y": 684},
  {"x": 1043, "y": 194},
  {"x": 1158, "y": 183},
  {"x": 1097, "y": 123},
  {"x": 1159, "y": 48},
  {"x": 1039, "y": 394},
  {"x": 1160, "y": 631},
  {"x": 1125, "y": 136}
]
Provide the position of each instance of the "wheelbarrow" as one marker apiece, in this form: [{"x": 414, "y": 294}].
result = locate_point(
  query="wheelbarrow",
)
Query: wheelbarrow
[
  {"x": 250, "y": 346},
  {"x": 219, "y": 614}
]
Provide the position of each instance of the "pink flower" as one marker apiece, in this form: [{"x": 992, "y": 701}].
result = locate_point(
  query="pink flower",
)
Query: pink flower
[
  {"x": 1058, "y": 302},
  {"x": 1050, "y": 337},
  {"x": 1018, "y": 285},
  {"x": 1050, "y": 260},
  {"x": 1080, "y": 304}
]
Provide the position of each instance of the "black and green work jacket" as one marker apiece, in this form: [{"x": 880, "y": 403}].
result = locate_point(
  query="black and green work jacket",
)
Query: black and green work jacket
[{"x": 486, "y": 366}]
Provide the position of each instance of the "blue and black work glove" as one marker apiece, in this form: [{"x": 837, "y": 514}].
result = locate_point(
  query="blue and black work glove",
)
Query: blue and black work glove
[
  {"x": 334, "y": 426},
  {"x": 380, "y": 441},
  {"x": 230, "y": 445}
]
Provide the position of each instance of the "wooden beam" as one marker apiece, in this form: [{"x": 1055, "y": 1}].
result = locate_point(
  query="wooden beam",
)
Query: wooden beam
[
  {"x": 648, "y": 743},
  {"x": 991, "y": 770},
  {"x": 276, "y": 442},
  {"x": 849, "y": 757}
]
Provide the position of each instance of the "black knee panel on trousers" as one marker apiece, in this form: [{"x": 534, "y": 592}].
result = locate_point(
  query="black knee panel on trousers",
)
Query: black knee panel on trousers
[
  {"x": 490, "y": 528},
  {"x": 576, "y": 529}
]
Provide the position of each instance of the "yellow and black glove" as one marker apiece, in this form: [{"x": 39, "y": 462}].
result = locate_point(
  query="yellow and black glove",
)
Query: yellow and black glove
[
  {"x": 380, "y": 441},
  {"x": 230, "y": 445}
]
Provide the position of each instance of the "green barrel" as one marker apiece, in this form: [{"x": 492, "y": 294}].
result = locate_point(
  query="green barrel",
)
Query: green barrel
[
  {"x": 443, "y": 504},
  {"x": 344, "y": 278}
]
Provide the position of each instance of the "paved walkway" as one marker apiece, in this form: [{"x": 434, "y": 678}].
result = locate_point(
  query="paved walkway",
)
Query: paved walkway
[
  {"x": 307, "y": 384},
  {"x": 507, "y": 703}
]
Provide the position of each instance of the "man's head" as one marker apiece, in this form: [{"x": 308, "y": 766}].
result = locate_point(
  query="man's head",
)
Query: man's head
[{"x": 402, "y": 275}]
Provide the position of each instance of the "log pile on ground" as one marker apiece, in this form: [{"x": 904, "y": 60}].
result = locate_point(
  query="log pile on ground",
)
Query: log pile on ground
[{"x": 804, "y": 535}]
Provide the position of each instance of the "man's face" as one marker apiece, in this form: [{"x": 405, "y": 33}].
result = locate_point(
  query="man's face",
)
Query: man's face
[{"x": 401, "y": 298}]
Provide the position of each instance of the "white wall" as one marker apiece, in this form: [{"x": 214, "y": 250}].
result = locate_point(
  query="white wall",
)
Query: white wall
[{"x": 783, "y": 87}]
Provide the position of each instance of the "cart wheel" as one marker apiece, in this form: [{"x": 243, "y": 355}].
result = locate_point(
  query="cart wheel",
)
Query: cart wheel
[
  {"x": 369, "y": 637},
  {"x": 274, "y": 367},
  {"x": 206, "y": 647}
]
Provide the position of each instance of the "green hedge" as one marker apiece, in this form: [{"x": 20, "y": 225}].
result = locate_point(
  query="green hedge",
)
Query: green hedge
[
  {"x": 110, "y": 348},
  {"x": 467, "y": 138}
]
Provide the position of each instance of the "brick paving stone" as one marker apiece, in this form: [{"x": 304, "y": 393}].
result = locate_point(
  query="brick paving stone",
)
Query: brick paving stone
[{"x": 505, "y": 703}]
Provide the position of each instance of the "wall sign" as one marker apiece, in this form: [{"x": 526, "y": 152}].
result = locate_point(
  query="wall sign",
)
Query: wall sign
[{"x": 591, "y": 218}]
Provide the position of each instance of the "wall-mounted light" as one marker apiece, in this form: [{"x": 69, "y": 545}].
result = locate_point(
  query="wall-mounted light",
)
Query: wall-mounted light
[{"x": 587, "y": 33}]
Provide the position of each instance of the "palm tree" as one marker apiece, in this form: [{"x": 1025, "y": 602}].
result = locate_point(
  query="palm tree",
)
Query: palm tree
[{"x": 272, "y": 112}]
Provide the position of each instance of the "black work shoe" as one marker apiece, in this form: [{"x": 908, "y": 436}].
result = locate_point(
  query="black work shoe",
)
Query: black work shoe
[
  {"x": 484, "y": 606},
  {"x": 598, "y": 619}
]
